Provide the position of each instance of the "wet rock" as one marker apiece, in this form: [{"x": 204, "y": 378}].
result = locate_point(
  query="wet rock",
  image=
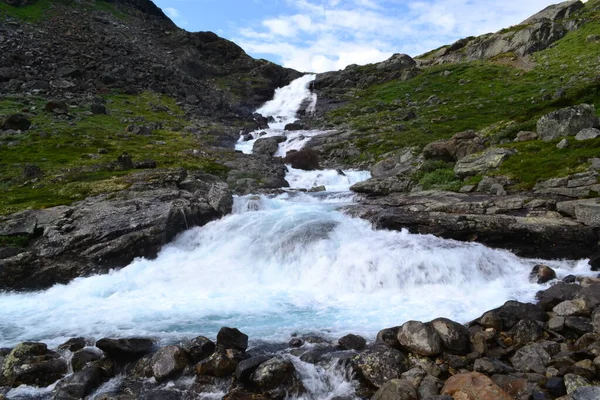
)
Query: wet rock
[
  {"x": 567, "y": 122},
  {"x": 352, "y": 342},
  {"x": 389, "y": 336},
  {"x": 232, "y": 338},
  {"x": 383, "y": 186},
  {"x": 84, "y": 356},
  {"x": 220, "y": 198},
  {"x": 571, "y": 308},
  {"x": 125, "y": 349},
  {"x": 305, "y": 159},
  {"x": 454, "y": 336},
  {"x": 31, "y": 363},
  {"x": 474, "y": 386},
  {"x": 420, "y": 338},
  {"x": 542, "y": 273},
  {"x": 221, "y": 363},
  {"x": 169, "y": 362},
  {"x": 200, "y": 348},
  {"x": 268, "y": 146},
  {"x": 526, "y": 331},
  {"x": 80, "y": 384},
  {"x": 531, "y": 358},
  {"x": 551, "y": 297},
  {"x": 396, "y": 389},
  {"x": 73, "y": 344},
  {"x": 16, "y": 122},
  {"x": 294, "y": 126},
  {"x": 246, "y": 368},
  {"x": 379, "y": 363},
  {"x": 273, "y": 374}
]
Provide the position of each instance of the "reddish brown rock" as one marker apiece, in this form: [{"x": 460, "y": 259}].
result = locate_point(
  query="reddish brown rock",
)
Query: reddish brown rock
[{"x": 474, "y": 386}]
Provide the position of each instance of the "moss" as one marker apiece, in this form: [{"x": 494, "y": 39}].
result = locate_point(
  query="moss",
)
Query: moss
[
  {"x": 14, "y": 241},
  {"x": 441, "y": 179},
  {"x": 44, "y": 9}
]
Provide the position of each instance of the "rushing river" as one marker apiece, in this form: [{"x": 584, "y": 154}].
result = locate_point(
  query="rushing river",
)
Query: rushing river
[{"x": 279, "y": 265}]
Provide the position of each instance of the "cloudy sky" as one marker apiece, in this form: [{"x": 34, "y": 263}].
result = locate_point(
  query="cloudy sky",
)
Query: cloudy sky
[{"x": 325, "y": 35}]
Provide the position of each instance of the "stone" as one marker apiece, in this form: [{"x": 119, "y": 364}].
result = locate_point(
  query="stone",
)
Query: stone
[
  {"x": 56, "y": 106},
  {"x": 563, "y": 144},
  {"x": 268, "y": 146},
  {"x": 542, "y": 274},
  {"x": 415, "y": 376},
  {"x": 220, "y": 198},
  {"x": 556, "y": 387},
  {"x": 474, "y": 386},
  {"x": 232, "y": 338},
  {"x": 16, "y": 122},
  {"x": 526, "y": 331},
  {"x": 80, "y": 384},
  {"x": 31, "y": 171},
  {"x": 379, "y": 363},
  {"x": 491, "y": 366},
  {"x": 352, "y": 342},
  {"x": 139, "y": 130},
  {"x": 420, "y": 338},
  {"x": 125, "y": 349},
  {"x": 219, "y": 364},
  {"x": 579, "y": 325},
  {"x": 513, "y": 311},
  {"x": 168, "y": 362},
  {"x": 246, "y": 368},
  {"x": 454, "y": 336},
  {"x": 526, "y": 136},
  {"x": 586, "y": 393},
  {"x": 389, "y": 336},
  {"x": 396, "y": 389},
  {"x": 146, "y": 164},
  {"x": 430, "y": 387},
  {"x": 273, "y": 373},
  {"x": 567, "y": 122},
  {"x": 305, "y": 159},
  {"x": 574, "y": 382},
  {"x": 556, "y": 324},
  {"x": 125, "y": 162},
  {"x": 82, "y": 357},
  {"x": 531, "y": 358},
  {"x": 569, "y": 308},
  {"x": 294, "y": 126},
  {"x": 200, "y": 348},
  {"x": 483, "y": 162},
  {"x": 555, "y": 294},
  {"x": 31, "y": 363},
  {"x": 73, "y": 344},
  {"x": 596, "y": 320},
  {"x": 98, "y": 109},
  {"x": 587, "y": 134}
]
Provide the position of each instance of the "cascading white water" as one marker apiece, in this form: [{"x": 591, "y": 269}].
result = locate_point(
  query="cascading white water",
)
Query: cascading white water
[
  {"x": 282, "y": 110},
  {"x": 281, "y": 265}
]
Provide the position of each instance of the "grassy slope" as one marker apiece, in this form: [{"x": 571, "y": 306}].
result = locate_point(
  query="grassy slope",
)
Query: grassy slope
[{"x": 496, "y": 99}]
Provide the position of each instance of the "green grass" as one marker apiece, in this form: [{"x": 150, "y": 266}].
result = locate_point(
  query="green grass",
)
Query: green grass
[
  {"x": 539, "y": 160},
  {"x": 44, "y": 9},
  {"x": 494, "y": 99},
  {"x": 14, "y": 241},
  {"x": 67, "y": 149}
]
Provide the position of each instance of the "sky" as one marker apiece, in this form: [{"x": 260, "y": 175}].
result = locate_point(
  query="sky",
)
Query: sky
[{"x": 328, "y": 35}]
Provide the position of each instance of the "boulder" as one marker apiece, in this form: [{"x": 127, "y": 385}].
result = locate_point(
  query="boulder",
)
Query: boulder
[
  {"x": 97, "y": 109},
  {"x": 31, "y": 363},
  {"x": 513, "y": 311},
  {"x": 456, "y": 148},
  {"x": 571, "y": 307},
  {"x": 31, "y": 171},
  {"x": 16, "y": 122},
  {"x": 389, "y": 336},
  {"x": 491, "y": 366},
  {"x": 84, "y": 356},
  {"x": 396, "y": 389},
  {"x": 596, "y": 320},
  {"x": 294, "y": 126},
  {"x": 542, "y": 273},
  {"x": 352, "y": 342},
  {"x": 555, "y": 12},
  {"x": 483, "y": 162},
  {"x": 124, "y": 161},
  {"x": 579, "y": 325},
  {"x": 57, "y": 106},
  {"x": 232, "y": 338},
  {"x": 305, "y": 159},
  {"x": 563, "y": 144},
  {"x": 587, "y": 134},
  {"x": 383, "y": 186},
  {"x": 526, "y": 331},
  {"x": 73, "y": 344},
  {"x": 586, "y": 393},
  {"x": 420, "y": 338},
  {"x": 268, "y": 146},
  {"x": 168, "y": 362},
  {"x": 397, "y": 62},
  {"x": 80, "y": 384},
  {"x": 526, "y": 136},
  {"x": 454, "y": 336},
  {"x": 567, "y": 122},
  {"x": 125, "y": 349},
  {"x": 379, "y": 363},
  {"x": 273, "y": 374},
  {"x": 474, "y": 386},
  {"x": 246, "y": 368},
  {"x": 551, "y": 297},
  {"x": 220, "y": 198},
  {"x": 200, "y": 348},
  {"x": 531, "y": 358},
  {"x": 574, "y": 382},
  {"x": 221, "y": 363}
]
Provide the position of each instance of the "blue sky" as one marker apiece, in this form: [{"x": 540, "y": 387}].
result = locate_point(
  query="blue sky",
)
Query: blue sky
[{"x": 325, "y": 35}]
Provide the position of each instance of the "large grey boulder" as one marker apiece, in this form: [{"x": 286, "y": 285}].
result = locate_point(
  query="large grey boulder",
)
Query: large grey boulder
[
  {"x": 383, "y": 186},
  {"x": 420, "y": 338},
  {"x": 454, "y": 336},
  {"x": 31, "y": 363},
  {"x": 80, "y": 384},
  {"x": 567, "y": 122},
  {"x": 587, "y": 134},
  {"x": 555, "y": 12},
  {"x": 532, "y": 358},
  {"x": 268, "y": 146},
  {"x": 168, "y": 362},
  {"x": 483, "y": 162},
  {"x": 379, "y": 363},
  {"x": 396, "y": 389}
]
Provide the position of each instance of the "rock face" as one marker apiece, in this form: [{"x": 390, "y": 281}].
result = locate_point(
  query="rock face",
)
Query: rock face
[
  {"x": 555, "y": 12},
  {"x": 109, "y": 231},
  {"x": 567, "y": 122},
  {"x": 481, "y": 162}
]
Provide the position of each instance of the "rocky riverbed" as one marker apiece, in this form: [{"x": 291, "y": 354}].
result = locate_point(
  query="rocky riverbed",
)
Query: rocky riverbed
[{"x": 548, "y": 350}]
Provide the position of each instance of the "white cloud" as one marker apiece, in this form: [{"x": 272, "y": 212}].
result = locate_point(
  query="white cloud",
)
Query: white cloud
[
  {"x": 321, "y": 35},
  {"x": 172, "y": 12}
]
